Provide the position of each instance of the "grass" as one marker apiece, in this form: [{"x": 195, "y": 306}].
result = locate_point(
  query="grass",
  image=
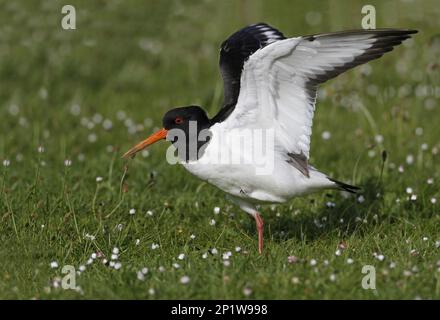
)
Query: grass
[{"x": 129, "y": 62}]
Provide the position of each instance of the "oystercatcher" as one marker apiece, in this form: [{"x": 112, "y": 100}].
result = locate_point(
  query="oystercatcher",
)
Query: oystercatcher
[{"x": 270, "y": 83}]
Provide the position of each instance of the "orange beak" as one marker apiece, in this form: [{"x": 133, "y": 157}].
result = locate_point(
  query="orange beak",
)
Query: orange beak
[{"x": 159, "y": 135}]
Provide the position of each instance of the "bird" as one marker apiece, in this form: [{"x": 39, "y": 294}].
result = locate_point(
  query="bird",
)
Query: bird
[{"x": 270, "y": 84}]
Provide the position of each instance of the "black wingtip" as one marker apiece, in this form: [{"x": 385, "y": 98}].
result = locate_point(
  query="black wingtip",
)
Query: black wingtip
[{"x": 345, "y": 187}]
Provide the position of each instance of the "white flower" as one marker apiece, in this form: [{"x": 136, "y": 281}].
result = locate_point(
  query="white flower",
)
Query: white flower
[
  {"x": 338, "y": 252},
  {"x": 67, "y": 162},
  {"x": 212, "y": 222},
  {"x": 137, "y": 242},
  {"x": 313, "y": 262},
  {"x": 151, "y": 292},
  {"x": 184, "y": 280},
  {"x": 114, "y": 257},
  {"x": 161, "y": 269},
  {"x": 40, "y": 149},
  {"x": 107, "y": 124},
  {"x": 144, "y": 270},
  {"x": 115, "y": 250},
  {"x": 326, "y": 135},
  {"x": 145, "y": 153},
  {"x": 237, "y": 249},
  {"x": 117, "y": 266},
  {"x": 425, "y": 238},
  {"x": 99, "y": 179},
  {"x": 90, "y": 261},
  {"x": 54, "y": 264},
  {"x": 410, "y": 159},
  {"x": 361, "y": 199},
  {"x": 214, "y": 251},
  {"x": 192, "y": 236},
  {"x": 332, "y": 277},
  {"x": 132, "y": 211},
  {"x": 330, "y": 204},
  {"x": 392, "y": 265},
  {"x": 149, "y": 213},
  {"x": 82, "y": 268},
  {"x": 409, "y": 190},
  {"x": 378, "y": 138},
  {"x": 140, "y": 276},
  {"x": 154, "y": 246},
  {"x": 247, "y": 291},
  {"x": 413, "y": 197},
  {"x": 380, "y": 257},
  {"x": 349, "y": 261},
  {"x": 433, "y": 200},
  {"x": 437, "y": 244},
  {"x": 401, "y": 169},
  {"x": 430, "y": 181},
  {"x": 176, "y": 265},
  {"x": 205, "y": 255},
  {"x": 216, "y": 210},
  {"x": 6, "y": 163},
  {"x": 226, "y": 263},
  {"x": 92, "y": 138},
  {"x": 181, "y": 256}
]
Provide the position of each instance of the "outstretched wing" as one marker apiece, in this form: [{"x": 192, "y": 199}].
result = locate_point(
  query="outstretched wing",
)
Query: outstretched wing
[
  {"x": 279, "y": 82},
  {"x": 234, "y": 52}
]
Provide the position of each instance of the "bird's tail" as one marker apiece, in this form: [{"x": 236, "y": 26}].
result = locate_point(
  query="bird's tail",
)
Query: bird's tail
[{"x": 344, "y": 186}]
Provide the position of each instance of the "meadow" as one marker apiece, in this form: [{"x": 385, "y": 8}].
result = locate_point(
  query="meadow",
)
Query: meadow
[{"x": 73, "y": 101}]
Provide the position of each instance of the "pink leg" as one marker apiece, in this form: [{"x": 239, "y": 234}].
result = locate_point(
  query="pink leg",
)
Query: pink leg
[{"x": 260, "y": 223}]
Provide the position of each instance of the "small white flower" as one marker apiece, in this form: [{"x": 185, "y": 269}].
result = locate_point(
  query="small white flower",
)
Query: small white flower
[
  {"x": 92, "y": 138},
  {"x": 181, "y": 256},
  {"x": 216, "y": 210},
  {"x": 430, "y": 181},
  {"x": 349, "y": 261},
  {"x": 247, "y": 291},
  {"x": 107, "y": 124},
  {"x": 419, "y": 131},
  {"x": 154, "y": 246},
  {"x": 40, "y": 149},
  {"x": 151, "y": 292},
  {"x": 6, "y": 163},
  {"x": 82, "y": 268},
  {"x": 137, "y": 242},
  {"x": 313, "y": 262},
  {"x": 193, "y": 236},
  {"x": 326, "y": 135},
  {"x": 145, "y": 153},
  {"x": 212, "y": 222},
  {"x": 425, "y": 238},
  {"x": 104, "y": 261},
  {"x": 332, "y": 277},
  {"x": 338, "y": 252},
  {"x": 437, "y": 244},
  {"x": 226, "y": 263},
  {"x": 93, "y": 256},
  {"x": 433, "y": 200},
  {"x": 237, "y": 249},
  {"x": 361, "y": 199},
  {"x": 150, "y": 213},
  {"x": 371, "y": 153},
  {"x": 401, "y": 169},
  {"x": 114, "y": 257},
  {"x": 99, "y": 179},
  {"x": 205, "y": 255},
  {"x": 176, "y": 266},
  {"x": 67, "y": 162},
  {"x": 378, "y": 138},
  {"x": 117, "y": 266},
  {"x": 132, "y": 211},
  {"x": 409, "y": 190},
  {"x": 392, "y": 265},
  {"x": 54, "y": 264},
  {"x": 90, "y": 261},
  {"x": 214, "y": 251},
  {"x": 424, "y": 146},
  {"x": 330, "y": 204},
  {"x": 184, "y": 280},
  {"x": 161, "y": 269},
  {"x": 115, "y": 250},
  {"x": 413, "y": 197},
  {"x": 120, "y": 227},
  {"x": 144, "y": 270},
  {"x": 140, "y": 276},
  {"x": 380, "y": 257},
  {"x": 410, "y": 159}
]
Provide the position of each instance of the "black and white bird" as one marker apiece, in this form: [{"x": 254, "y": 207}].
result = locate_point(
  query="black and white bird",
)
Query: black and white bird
[{"x": 270, "y": 83}]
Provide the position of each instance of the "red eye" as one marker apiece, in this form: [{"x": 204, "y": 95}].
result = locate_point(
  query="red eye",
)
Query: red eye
[{"x": 178, "y": 120}]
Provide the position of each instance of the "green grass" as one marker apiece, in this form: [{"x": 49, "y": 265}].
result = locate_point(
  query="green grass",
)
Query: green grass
[{"x": 144, "y": 57}]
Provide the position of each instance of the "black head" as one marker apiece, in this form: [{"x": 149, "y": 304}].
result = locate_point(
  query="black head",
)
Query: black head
[
  {"x": 186, "y": 124},
  {"x": 179, "y": 118}
]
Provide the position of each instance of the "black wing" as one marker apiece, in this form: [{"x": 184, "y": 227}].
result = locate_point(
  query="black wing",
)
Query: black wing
[{"x": 233, "y": 53}]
